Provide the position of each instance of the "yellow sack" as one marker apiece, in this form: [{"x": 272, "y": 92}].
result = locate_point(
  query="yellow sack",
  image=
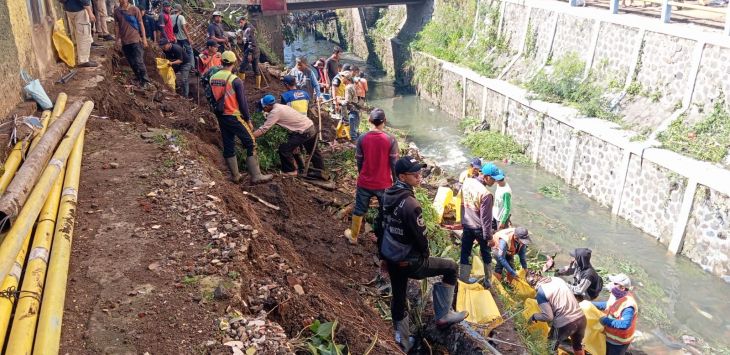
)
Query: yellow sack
[
  {"x": 479, "y": 303},
  {"x": 442, "y": 199},
  {"x": 63, "y": 44},
  {"x": 166, "y": 72},
  {"x": 531, "y": 308},
  {"x": 456, "y": 205},
  {"x": 595, "y": 337},
  {"x": 522, "y": 290}
]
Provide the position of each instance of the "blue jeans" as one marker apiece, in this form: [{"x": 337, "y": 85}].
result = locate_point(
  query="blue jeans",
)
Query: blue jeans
[
  {"x": 186, "y": 68},
  {"x": 467, "y": 241},
  {"x": 354, "y": 118},
  {"x": 362, "y": 200}
]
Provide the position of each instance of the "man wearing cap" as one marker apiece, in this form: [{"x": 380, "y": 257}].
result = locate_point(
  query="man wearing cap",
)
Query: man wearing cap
[
  {"x": 180, "y": 29},
  {"x": 475, "y": 167},
  {"x": 164, "y": 23},
  {"x": 587, "y": 284},
  {"x": 559, "y": 306},
  {"x": 376, "y": 153},
  {"x": 251, "y": 52},
  {"x": 234, "y": 119},
  {"x": 337, "y": 87},
  {"x": 209, "y": 58},
  {"x": 305, "y": 78},
  {"x": 301, "y": 132},
  {"x": 404, "y": 247},
  {"x": 180, "y": 61},
  {"x": 131, "y": 38},
  {"x": 511, "y": 242},
  {"x": 476, "y": 221},
  {"x": 215, "y": 31},
  {"x": 622, "y": 312},
  {"x": 80, "y": 16},
  {"x": 502, "y": 202},
  {"x": 331, "y": 64}
]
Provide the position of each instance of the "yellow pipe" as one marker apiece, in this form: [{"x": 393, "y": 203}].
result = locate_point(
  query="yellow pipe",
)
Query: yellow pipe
[
  {"x": 26, "y": 312},
  {"x": 13, "y": 241},
  {"x": 48, "y": 334},
  {"x": 11, "y": 283},
  {"x": 11, "y": 166},
  {"x": 16, "y": 155}
]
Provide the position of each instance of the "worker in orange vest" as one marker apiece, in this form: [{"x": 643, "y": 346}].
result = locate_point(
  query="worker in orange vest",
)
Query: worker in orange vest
[
  {"x": 622, "y": 312},
  {"x": 234, "y": 120}
]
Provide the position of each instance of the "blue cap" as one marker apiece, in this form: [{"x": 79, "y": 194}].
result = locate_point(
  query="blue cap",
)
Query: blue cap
[
  {"x": 492, "y": 170},
  {"x": 267, "y": 100},
  {"x": 476, "y": 163}
]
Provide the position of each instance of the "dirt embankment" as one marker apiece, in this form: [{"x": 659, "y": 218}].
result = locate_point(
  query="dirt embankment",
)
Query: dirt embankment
[{"x": 171, "y": 258}]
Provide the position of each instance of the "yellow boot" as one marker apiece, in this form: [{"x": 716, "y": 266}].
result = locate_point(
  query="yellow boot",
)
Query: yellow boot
[
  {"x": 258, "y": 81},
  {"x": 354, "y": 230},
  {"x": 242, "y": 76}
]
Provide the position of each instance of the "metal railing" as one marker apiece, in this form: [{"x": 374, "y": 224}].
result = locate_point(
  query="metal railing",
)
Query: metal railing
[{"x": 666, "y": 9}]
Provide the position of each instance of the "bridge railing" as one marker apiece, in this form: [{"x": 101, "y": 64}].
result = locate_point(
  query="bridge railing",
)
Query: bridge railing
[{"x": 666, "y": 9}]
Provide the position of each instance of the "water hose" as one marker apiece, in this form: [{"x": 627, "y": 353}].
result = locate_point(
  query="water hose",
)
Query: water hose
[
  {"x": 48, "y": 334},
  {"x": 13, "y": 241}
]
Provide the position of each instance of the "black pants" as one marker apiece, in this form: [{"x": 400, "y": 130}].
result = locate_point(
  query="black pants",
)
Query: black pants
[
  {"x": 416, "y": 269},
  {"x": 232, "y": 127},
  {"x": 613, "y": 349},
  {"x": 574, "y": 330},
  {"x": 467, "y": 242},
  {"x": 253, "y": 64},
  {"x": 135, "y": 56},
  {"x": 308, "y": 139}
]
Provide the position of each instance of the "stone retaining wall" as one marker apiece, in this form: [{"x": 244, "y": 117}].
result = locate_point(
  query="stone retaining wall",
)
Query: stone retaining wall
[{"x": 652, "y": 188}]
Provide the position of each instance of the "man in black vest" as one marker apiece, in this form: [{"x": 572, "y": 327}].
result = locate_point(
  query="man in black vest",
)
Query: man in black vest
[{"x": 404, "y": 247}]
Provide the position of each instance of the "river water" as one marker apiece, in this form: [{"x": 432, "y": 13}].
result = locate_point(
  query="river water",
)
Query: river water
[{"x": 675, "y": 295}]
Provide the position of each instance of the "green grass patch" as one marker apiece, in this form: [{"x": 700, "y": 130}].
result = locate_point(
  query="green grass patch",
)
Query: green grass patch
[
  {"x": 565, "y": 85},
  {"x": 553, "y": 191},
  {"x": 266, "y": 146},
  {"x": 491, "y": 146},
  {"x": 707, "y": 140}
]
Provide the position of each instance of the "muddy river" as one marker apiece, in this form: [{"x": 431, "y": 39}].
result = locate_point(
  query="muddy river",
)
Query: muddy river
[{"x": 676, "y": 297}]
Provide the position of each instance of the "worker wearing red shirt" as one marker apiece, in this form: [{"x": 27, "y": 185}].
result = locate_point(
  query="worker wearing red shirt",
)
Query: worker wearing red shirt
[{"x": 376, "y": 153}]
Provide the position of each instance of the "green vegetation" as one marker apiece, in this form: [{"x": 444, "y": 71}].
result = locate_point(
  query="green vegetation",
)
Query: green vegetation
[
  {"x": 190, "y": 280},
  {"x": 634, "y": 88},
  {"x": 530, "y": 41},
  {"x": 468, "y": 123},
  {"x": 234, "y": 274},
  {"x": 322, "y": 340},
  {"x": 707, "y": 140},
  {"x": 387, "y": 24},
  {"x": 447, "y": 33},
  {"x": 439, "y": 241},
  {"x": 552, "y": 191},
  {"x": 266, "y": 146},
  {"x": 565, "y": 85},
  {"x": 490, "y": 145},
  {"x": 534, "y": 342}
]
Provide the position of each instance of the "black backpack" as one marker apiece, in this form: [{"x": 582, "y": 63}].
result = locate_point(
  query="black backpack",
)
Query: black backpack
[{"x": 205, "y": 81}]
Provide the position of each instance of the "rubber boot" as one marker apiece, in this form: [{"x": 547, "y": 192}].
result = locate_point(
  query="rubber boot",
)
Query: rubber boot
[
  {"x": 487, "y": 282},
  {"x": 443, "y": 296},
  {"x": 252, "y": 164},
  {"x": 465, "y": 274},
  {"x": 258, "y": 81},
  {"x": 242, "y": 76},
  {"x": 354, "y": 230},
  {"x": 232, "y": 163},
  {"x": 579, "y": 352},
  {"x": 403, "y": 334}
]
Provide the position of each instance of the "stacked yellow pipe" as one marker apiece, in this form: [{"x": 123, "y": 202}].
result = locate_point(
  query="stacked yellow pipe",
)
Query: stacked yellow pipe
[
  {"x": 13, "y": 242},
  {"x": 26, "y": 312},
  {"x": 48, "y": 334},
  {"x": 16, "y": 155},
  {"x": 11, "y": 166}
]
